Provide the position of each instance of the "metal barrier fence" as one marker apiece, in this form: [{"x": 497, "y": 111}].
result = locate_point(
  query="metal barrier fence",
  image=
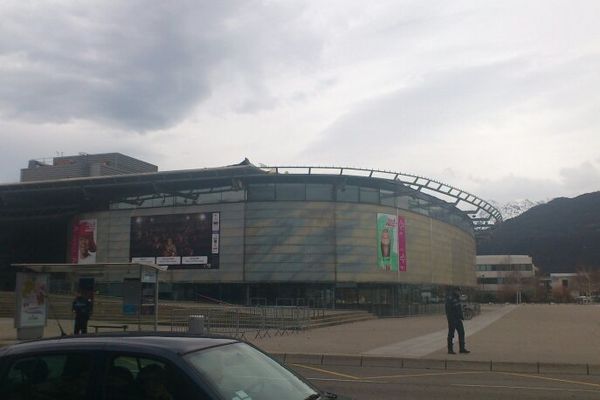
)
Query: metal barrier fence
[
  {"x": 242, "y": 322},
  {"x": 419, "y": 309},
  {"x": 406, "y": 310}
]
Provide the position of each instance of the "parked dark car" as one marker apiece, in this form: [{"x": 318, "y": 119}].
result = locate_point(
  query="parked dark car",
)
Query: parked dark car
[{"x": 146, "y": 366}]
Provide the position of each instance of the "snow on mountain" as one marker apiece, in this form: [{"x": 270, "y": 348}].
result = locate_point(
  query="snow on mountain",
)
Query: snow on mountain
[{"x": 515, "y": 208}]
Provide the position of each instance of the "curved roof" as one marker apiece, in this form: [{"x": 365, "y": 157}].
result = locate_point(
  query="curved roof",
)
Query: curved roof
[
  {"x": 75, "y": 195},
  {"x": 482, "y": 213}
]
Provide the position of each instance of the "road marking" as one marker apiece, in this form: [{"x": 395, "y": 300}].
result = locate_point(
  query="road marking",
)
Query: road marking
[
  {"x": 345, "y": 380},
  {"x": 368, "y": 378},
  {"x": 423, "y": 345},
  {"x": 428, "y": 374},
  {"x": 327, "y": 372},
  {"x": 526, "y": 388},
  {"x": 552, "y": 379}
]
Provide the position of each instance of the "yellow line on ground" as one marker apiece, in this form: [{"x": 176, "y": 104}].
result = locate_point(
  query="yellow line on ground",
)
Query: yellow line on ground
[
  {"x": 428, "y": 374},
  {"x": 326, "y": 371},
  {"x": 545, "y": 389},
  {"x": 552, "y": 379}
]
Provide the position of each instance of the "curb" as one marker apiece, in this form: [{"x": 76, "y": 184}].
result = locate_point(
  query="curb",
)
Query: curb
[{"x": 349, "y": 360}]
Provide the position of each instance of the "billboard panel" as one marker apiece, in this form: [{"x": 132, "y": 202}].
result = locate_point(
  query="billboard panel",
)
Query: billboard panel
[{"x": 178, "y": 240}]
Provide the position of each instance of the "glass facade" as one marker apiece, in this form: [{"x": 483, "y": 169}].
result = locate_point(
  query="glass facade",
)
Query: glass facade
[
  {"x": 284, "y": 191},
  {"x": 504, "y": 267}
]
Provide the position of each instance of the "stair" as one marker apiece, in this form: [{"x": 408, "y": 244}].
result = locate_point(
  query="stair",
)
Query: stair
[
  {"x": 105, "y": 308},
  {"x": 340, "y": 317},
  {"x": 110, "y": 309}
]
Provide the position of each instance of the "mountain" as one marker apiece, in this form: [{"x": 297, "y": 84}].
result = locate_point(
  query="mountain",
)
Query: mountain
[
  {"x": 515, "y": 208},
  {"x": 561, "y": 235}
]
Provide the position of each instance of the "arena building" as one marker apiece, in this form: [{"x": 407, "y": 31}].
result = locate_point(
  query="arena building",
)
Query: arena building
[{"x": 332, "y": 237}]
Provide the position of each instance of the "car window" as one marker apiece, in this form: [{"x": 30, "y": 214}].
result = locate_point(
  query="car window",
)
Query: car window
[
  {"x": 130, "y": 377},
  {"x": 240, "y": 372},
  {"x": 47, "y": 377}
]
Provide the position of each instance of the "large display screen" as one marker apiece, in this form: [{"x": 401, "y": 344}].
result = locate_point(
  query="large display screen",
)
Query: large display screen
[{"x": 178, "y": 241}]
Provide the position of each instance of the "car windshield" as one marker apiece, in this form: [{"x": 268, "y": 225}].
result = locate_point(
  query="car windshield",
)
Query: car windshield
[{"x": 238, "y": 371}]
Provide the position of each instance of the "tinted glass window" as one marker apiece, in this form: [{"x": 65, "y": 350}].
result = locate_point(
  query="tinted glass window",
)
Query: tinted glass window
[
  {"x": 403, "y": 202},
  {"x": 238, "y": 371},
  {"x": 291, "y": 191},
  {"x": 387, "y": 198},
  {"x": 316, "y": 192},
  {"x": 135, "y": 378},
  {"x": 261, "y": 192},
  {"x": 347, "y": 193},
  {"x": 56, "y": 376},
  {"x": 368, "y": 195},
  {"x": 238, "y": 195}
]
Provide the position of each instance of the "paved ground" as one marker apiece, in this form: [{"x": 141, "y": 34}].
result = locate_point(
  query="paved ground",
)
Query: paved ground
[
  {"x": 372, "y": 383},
  {"x": 525, "y": 333},
  {"x": 566, "y": 334}
]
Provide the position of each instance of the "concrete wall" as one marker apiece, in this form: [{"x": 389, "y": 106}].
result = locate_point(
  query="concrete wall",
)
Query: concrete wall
[{"x": 85, "y": 166}]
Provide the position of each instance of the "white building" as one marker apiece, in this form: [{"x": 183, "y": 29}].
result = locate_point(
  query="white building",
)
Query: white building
[
  {"x": 568, "y": 285},
  {"x": 503, "y": 272}
]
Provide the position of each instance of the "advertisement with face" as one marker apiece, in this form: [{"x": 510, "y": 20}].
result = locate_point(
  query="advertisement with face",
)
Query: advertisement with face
[
  {"x": 83, "y": 245},
  {"x": 387, "y": 242}
]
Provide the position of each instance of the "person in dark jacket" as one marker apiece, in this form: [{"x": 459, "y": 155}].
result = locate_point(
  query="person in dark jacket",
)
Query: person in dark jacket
[
  {"x": 82, "y": 307},
  {"x": 455, "y": 318}
]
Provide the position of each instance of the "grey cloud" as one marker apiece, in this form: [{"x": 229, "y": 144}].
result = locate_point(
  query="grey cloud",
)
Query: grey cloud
[
  {"x": 140, "y": 65},
  {"x": 459, "y": 100},
  {"x": 583, "y": 178},
  {"x": 424, "y": 110},
  {"x": 513, "y": 187},
  {"x": 572, "y": 181}
]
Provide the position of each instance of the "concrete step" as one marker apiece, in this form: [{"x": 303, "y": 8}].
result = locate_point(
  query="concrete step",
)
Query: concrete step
[
  {"x": 334, "y": 323},
  {"x": 341, "y": 318}
]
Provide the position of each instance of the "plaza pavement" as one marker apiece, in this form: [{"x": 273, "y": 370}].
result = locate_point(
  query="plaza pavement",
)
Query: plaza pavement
[
  {"x": 558, "y": 334},
  {"x": 528, "y": 333}
]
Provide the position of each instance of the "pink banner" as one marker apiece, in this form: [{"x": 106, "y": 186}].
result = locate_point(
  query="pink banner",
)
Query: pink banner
[
  {"x": 401, "y": 244},
  {"x": 83, "y": 242}
]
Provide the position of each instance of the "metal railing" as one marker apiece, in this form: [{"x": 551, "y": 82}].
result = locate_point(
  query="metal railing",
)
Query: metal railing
[
  {"x": 482, "y": 214},
  {"x": 243, "y": 322},
  {"x": 408, "y": 310}
]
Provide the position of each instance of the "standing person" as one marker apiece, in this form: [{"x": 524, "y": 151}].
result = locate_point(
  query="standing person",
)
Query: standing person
[
  {"x": 82, "y": 307},
  {"x": 455, "y": 318}
]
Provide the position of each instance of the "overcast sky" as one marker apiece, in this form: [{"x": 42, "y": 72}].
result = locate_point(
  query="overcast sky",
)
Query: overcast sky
[{"x": 501, "y": 99}]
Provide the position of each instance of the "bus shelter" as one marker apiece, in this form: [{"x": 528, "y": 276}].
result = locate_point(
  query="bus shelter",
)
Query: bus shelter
[{"x": 140, "y": 290}]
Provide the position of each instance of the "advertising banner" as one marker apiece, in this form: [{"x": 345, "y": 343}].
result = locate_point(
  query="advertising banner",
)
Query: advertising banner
[
  {"x": 387, "y": 242},
  {"x": 178, "y": 240},
  {"x": 402, "y": 244},
  {"x": 83, "y": 242},
  {"x": 32, "y": 306}
]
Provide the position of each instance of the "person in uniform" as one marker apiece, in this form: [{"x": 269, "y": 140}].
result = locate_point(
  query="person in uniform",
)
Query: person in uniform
[
  {"x": 82, "y": 308},
  {"x": 454, "y": 315}
]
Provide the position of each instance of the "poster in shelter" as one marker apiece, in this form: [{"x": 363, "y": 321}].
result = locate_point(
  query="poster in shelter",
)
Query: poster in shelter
[{"x": 31, "y": 299}]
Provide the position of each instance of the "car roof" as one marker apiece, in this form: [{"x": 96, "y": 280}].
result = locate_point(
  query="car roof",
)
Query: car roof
[{"x": 133, "y": 341}]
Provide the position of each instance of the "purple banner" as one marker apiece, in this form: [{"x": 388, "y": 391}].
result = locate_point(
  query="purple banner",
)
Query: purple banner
[{"x": 401, "y": 244}]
